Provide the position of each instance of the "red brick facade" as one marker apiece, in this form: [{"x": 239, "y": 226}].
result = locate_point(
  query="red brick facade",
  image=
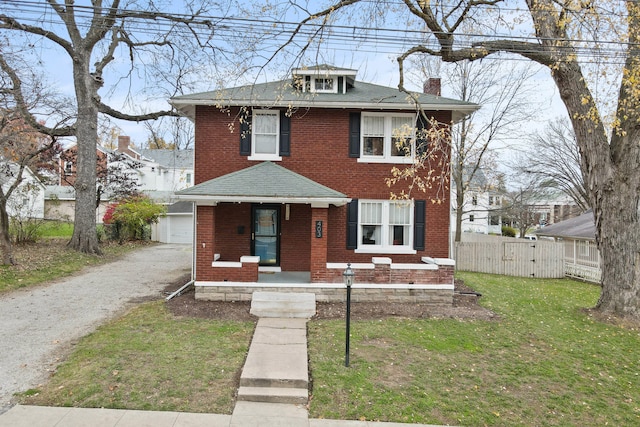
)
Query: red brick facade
[{"x": 319, "y": 151}]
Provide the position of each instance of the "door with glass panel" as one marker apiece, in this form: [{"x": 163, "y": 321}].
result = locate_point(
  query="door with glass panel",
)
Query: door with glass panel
[{"x": 265, "y": 234}]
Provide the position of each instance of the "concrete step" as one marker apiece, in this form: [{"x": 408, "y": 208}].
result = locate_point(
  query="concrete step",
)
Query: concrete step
[
  {"x": 273, "y": 395},
  {"x": 283, "y": 304}
]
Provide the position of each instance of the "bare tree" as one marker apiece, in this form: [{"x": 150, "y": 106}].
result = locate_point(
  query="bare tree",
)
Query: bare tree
[
  {"x": 585, "y": 46},
  {"x": 552, "y": 158},
  {"x": 504, "y": 91},
  {"x": 20, "y": 147},
  {"x": 96, "y": 38}
]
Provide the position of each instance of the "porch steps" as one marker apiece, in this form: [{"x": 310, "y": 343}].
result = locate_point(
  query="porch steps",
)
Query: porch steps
[
  {"x": 276, "y": 369},
  {"x": 283, "y": 304}
]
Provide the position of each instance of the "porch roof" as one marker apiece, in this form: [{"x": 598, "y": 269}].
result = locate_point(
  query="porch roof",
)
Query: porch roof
[
  {"x": 581, "y": 227},
  {"x": 265, "y": 182}
]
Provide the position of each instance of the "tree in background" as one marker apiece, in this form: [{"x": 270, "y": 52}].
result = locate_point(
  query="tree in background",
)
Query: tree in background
[
  {"x": 157, "y": 46},
  {"x": 20, "y": 146},
  {"x": 552, "y": 159},
  {"x": 504, "y": 92},
  {"x": 592, "y": 53}
]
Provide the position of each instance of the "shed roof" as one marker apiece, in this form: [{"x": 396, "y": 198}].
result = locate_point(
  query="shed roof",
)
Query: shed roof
[
  {"x": 265, "y": 182},
  {"x": 581, "y": 227}
]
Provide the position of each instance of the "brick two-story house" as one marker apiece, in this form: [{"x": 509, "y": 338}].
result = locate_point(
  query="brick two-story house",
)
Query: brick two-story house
[{"x": 290, "y": 177}]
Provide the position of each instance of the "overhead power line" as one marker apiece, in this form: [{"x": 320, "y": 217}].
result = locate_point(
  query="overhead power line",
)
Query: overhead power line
[{"x": 335, "y": 36}]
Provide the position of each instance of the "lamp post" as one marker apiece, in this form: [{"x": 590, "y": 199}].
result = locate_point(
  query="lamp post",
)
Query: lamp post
[{"x": 348, "y": 276}]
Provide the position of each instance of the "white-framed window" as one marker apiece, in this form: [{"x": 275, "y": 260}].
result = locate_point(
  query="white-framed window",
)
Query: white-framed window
[
  {"x": 387, "y": 138},
  {"x": 385, "y": 226},
  {"x": 265, "y": 133},
  {"x": 324, "y": 85},
  {"x": 68, "y": 168}
]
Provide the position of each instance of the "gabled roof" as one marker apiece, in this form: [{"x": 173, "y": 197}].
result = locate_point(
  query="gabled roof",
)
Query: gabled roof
[
  {"x": 282, "y": 94},
  {"x": 171, "y": 159},
  {"x": 263, "y": 183},
  {"x": 581, "y": 227}
]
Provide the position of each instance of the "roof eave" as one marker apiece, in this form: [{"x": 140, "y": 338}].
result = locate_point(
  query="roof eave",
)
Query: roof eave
[
  {"x": 187, "y": 107},
  {"x": 211, "y": 200}
]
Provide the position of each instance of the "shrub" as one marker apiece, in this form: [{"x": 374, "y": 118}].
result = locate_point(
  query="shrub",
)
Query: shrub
[
  {"x": 129, "y": 219},
  {"x": 508, "y": 231}
]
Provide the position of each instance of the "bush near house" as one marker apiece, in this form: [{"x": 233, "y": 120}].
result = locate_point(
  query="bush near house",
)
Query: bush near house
[{"x": 130, "y": 218}]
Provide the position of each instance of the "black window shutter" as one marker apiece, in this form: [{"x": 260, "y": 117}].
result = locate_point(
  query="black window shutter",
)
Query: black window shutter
[
  {"x": 419, "y": 220},
  {"x": 245, "y": 133},
  {"x": 352, "y": 224},
  {"x": 354, "y": 134},
  {"x": 422, "y": 143},
  {"x": 285, "y": 134}
]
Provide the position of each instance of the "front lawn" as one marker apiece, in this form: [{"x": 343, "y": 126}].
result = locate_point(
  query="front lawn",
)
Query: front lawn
[
  {"x": 150, "y": 360},
  {"x": 545, "y": 363}
]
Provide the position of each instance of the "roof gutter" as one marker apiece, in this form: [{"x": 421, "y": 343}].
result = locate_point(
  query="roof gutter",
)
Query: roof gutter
[{"x": 316, "y": 202}]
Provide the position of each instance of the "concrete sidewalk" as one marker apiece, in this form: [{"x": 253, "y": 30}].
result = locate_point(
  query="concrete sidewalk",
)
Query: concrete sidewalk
[{"x": 249, "y": 414}]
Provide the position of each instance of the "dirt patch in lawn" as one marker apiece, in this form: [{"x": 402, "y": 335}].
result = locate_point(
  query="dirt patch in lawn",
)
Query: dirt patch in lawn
[{"x": 465, "y": 306}]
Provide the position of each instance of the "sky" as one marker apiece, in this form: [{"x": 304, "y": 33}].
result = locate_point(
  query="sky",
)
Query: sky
[{"x": 375, "y": 62}]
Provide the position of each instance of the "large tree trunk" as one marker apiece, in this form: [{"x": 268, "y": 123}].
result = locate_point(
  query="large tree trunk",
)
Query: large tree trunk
[
  {"x": 5, "y": 239},
  {"x": 611, "y": 170},
  {"x": 85, "y": 237}
]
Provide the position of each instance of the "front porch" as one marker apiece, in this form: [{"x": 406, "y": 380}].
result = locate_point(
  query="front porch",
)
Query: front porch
[{"x": 430, "y": 282}]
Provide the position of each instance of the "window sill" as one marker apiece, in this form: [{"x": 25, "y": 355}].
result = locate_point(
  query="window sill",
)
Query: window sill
[
  {"x": 387, "y": 250},
  {"x": 265, "y": 157},
  {"x": 391, "y": 160}
]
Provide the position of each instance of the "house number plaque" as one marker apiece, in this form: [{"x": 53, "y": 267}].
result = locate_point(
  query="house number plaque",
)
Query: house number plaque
[{"x": 318, "y": 229}]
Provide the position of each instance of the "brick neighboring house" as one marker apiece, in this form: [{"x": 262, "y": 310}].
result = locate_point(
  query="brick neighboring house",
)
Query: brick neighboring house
[{"x": 290, "y": 178}]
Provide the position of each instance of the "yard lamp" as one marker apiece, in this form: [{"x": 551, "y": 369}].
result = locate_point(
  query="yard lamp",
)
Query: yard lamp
[{"x": 348, "y": 276}]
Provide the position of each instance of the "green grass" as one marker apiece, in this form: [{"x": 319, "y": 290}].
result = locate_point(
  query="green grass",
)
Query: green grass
[
  {"x": 545, "y": 363},
  {"x": 58, "y": 229},
  {"x": 50, "y": 259},
  {"x": 150, "y": 360}
]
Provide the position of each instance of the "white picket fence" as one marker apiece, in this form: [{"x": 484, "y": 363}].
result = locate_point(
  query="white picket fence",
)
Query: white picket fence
[{"x": 512, "y": 257}]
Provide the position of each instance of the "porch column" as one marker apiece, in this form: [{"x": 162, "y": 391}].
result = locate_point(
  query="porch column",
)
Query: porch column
[
  {"x": 319, "y": 232},
  {"x": 205, "y": 241}
]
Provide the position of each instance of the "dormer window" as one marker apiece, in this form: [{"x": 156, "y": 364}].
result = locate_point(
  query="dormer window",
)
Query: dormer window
[
  {"x": 324, "y": 79},
  {"x": 324, "y": 85}
]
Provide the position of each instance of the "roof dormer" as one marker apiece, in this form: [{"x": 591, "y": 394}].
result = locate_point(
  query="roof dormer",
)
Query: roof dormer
[{"x": 324, "y": 79}]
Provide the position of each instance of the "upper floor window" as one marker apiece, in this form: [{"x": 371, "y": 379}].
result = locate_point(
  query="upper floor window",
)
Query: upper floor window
[
  {"x": 324, "y": 85},
  {"x": 265, "y": 135},
  {"x": 265, "y": 131},
  {"x": 474, "y": 200},
  {"x": 387, "y": 138},
  {"x": 68, "y": 168}
]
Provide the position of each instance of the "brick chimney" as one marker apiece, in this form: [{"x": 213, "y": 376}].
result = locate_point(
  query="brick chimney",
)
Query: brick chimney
[
  {"x": 432, "y": 86},
  {"x": 123, "y": 146},
  {"x": 123, "y": 143}
]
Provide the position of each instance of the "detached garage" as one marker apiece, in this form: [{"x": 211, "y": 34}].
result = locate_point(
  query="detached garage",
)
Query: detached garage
[{"x": 177, "y": 226}]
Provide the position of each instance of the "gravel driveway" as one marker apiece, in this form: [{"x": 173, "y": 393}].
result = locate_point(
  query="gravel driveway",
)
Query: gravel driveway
[{"x": 38, "y": 325}]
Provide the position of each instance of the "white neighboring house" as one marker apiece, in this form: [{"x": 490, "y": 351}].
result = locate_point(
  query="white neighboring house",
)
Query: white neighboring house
[
  {"x": 27, "y": 200},
  {"x": 162, "y": 173},
  {"x": 481, "y": 208}
]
